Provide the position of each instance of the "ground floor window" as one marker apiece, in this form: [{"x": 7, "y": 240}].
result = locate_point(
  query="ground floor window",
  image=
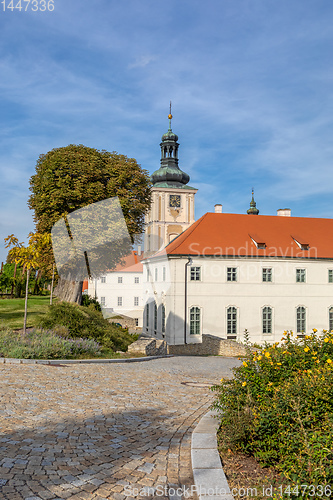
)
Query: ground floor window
[
  {"x": 155, "y": 316},
  {"x": 330, "y": 319},
  {"x": 163, "y": 318},
  {"x": 301, "y": 319},
  {"x": 267, "y": 320},
  {"x": 102, "y": 301},
  {"x": 195, "y": 321},
  {"x": 231, "y": 322}
]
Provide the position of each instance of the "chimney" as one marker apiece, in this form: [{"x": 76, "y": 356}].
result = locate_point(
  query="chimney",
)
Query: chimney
[
  {"x": 139, "y": 250},
  {"x": 284, "y": 212},
  {"x": 218, "y": 208}
]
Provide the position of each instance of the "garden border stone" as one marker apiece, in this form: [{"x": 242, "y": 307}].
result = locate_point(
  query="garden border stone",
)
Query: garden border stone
[
  {"x": 15, "y": 361},
  {"x": 208, "y": 474}
]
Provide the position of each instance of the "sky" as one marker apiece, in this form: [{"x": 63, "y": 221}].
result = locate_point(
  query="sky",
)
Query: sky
[{"x": 251, "y": 85}]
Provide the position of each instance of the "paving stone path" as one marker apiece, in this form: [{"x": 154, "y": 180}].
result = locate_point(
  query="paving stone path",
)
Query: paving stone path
[{"x": 102, "y": 431}]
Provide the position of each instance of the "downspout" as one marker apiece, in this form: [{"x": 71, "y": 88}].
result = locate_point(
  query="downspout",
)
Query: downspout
[{"x": 185, "y": 298}]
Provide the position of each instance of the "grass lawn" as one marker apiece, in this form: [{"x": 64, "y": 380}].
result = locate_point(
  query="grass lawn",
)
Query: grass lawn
[{"x": 12, "y": 311}]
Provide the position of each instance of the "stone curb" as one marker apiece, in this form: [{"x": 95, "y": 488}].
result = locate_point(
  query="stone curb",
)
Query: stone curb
[
  {"x": 208, "y": 474},
  {"x": 14, "y": 361}
]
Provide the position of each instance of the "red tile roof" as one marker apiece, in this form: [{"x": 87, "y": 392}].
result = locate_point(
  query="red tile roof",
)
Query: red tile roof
[
  {"x": 130, "y": 264},
  {"x": 233, "y": 235}
]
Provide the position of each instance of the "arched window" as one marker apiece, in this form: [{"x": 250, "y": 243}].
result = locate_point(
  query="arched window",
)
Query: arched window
[
  {"x": 330, "y": 319},
  {"x": 163, "y": 317},
  {"x": 147, "y": 315},
  {"x": 155, "y": 316},
  {"x": 267, "y": 320},
  {"x": 195, "y": 321},
  {"x": 231, "y": 321},
  {"x": 301, "y": 319}
]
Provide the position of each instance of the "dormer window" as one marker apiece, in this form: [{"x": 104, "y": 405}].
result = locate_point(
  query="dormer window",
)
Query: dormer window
[
  {"x": 301, "y": 243},
  {"x": 258, "y": 241}
]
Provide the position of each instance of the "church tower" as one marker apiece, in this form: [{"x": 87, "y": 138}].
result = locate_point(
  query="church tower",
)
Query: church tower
[{"x": 172, "y": 207}]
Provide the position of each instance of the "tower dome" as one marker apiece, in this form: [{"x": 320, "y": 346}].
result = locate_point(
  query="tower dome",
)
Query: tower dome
[{"x": 169, "y": 174}]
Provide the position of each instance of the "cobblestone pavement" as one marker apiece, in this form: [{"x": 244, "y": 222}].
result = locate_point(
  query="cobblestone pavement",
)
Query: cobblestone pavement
[{"x": 102, "y": 431}]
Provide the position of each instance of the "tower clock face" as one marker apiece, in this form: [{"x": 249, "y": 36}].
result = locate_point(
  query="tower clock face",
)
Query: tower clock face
[{"x": 174, "y": 200}]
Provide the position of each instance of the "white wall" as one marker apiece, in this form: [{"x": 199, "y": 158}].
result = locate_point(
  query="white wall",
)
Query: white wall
[
  {"x": 213, "y": 294},
  {"x": 111, "y": 290}
]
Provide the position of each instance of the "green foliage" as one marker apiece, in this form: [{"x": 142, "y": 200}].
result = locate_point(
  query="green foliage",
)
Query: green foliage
[
  {"x": 90, "y": 301},
  {"x": 88, "y": 323},
  {"x": 75, "y": 176},
  {"x": 39, "y": 344},
  {"x": 279, "y": 407}
]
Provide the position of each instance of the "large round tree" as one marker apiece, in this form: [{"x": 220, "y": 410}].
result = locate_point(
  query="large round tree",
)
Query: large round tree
[{"x": 75, "y": 176}]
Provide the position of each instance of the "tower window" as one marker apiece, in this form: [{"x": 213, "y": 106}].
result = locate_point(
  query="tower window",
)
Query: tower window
[
  {"x": 155, "y": 316},
  {"x": 163, "y": 318}
]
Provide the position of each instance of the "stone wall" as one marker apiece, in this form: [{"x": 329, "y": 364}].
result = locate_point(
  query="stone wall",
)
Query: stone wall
[
  {"x": 210, "y": 345},
  {"x": 149, "y": 347}
]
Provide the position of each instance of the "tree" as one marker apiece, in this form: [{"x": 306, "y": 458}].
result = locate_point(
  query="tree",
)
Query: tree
[
  {"x": 72, "y": 177},
  {"x": 28, "y": 257}
]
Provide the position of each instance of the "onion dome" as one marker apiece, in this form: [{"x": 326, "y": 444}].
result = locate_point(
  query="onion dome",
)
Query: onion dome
[
  {"x": 253, "y": 210},
  {"x": 169, "y": 174}
]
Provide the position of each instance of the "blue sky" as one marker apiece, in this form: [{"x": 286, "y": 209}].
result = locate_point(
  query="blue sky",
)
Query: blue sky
[{"x": 251, "y": 82}]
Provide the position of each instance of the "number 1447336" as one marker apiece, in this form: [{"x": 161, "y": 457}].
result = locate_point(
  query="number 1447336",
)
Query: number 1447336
[{"x": 26, "y": 5}]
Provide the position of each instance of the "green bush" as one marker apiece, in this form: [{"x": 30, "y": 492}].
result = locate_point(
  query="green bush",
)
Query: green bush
[
  {"x": 90, "y": 301},
  {"x": 88, "y": 323},
  {"x": 279, "y": 407},
  {"x": 40, "y": 344}
]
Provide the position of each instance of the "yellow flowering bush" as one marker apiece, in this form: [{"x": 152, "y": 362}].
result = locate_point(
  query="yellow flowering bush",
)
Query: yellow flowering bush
[{"x": 279, "y": 407}]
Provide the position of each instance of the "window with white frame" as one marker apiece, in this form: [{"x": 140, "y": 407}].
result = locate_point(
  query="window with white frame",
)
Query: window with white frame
[
  {"x": 267, "y": 320},
  {"x": 103, "y": 279},
  {"x": 155, "y": 316},
  {"x": 231, "y": 273},
  {"x": 301, "y": 319},
  {"x": 231, "y": 322},
  {"x": 195, "y": 274},
  {"x": 267, "y": 274},
  {"x": 136, "y": 279},
  {"x": 330, "y": 319},
  {"x": 148, "y": 274},
  {"x": 120, "y": 301},
  {"x": 120, "y": 279},
  {"x": 195, "y": 321},
  {"x": 136, "y": 301},
  {"x": 300, "y": 275},
  {"x": 163, "y": 317},
  {"x": 164, "y": 273},
  {"x": 102, "y": 301},
  {"x": 330, "y": 275}
]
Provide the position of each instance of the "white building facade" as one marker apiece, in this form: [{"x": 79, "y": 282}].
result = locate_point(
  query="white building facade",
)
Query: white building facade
[{"x": 221, "y": 278}]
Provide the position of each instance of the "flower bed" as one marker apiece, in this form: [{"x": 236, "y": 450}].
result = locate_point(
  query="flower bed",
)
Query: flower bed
[{"x": 279, "y": 408}]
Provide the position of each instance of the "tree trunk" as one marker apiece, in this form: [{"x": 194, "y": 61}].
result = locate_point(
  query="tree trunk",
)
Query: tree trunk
[
  {"x": 52, "y": 284},
  {"x": 12, "y": 290},
  {"x": 26, "y": 303},
  {"x": 69, "y": 291}
]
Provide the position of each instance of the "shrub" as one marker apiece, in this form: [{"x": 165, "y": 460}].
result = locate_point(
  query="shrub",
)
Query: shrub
[
  {"x": 86, "y": 322},
  {"x": 279, "y": 407},
  {"x": 90, "y": 301},
  {"x": 40, "y": 344}
]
